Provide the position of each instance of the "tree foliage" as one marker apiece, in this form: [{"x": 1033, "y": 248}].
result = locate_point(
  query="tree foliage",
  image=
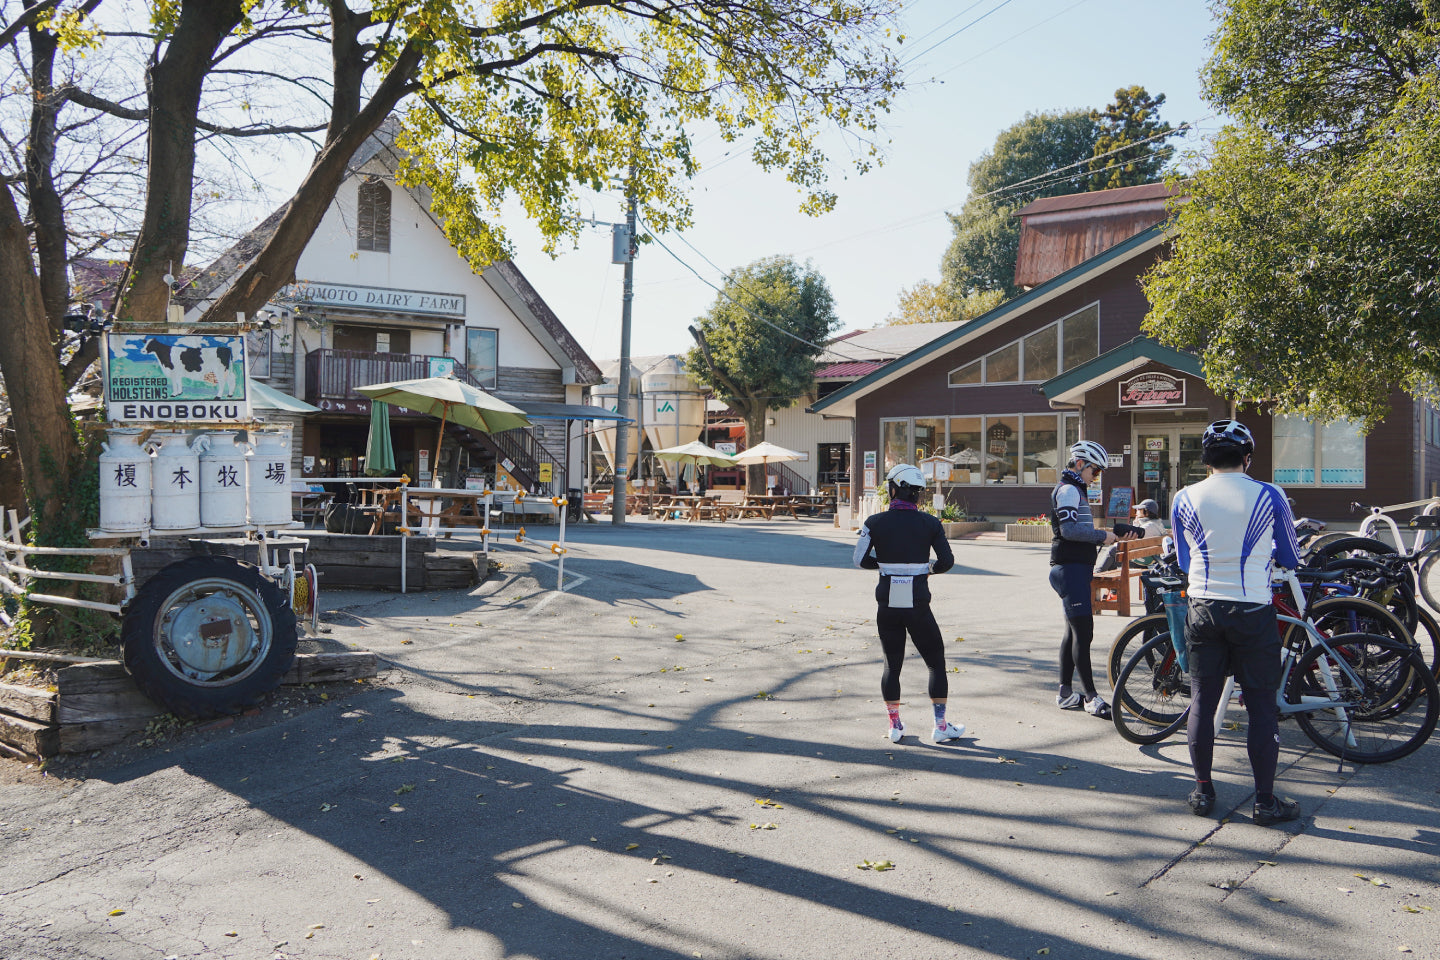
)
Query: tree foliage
[
  {"x": 1130, "y": 144},
  {"x": 757, "y": 344},
  {"x": 928, "y": 302},
  {"x": 1047, "y": 155},
  {"x": 535, "y": 99},
  {"x": 1306, "y": 267}
]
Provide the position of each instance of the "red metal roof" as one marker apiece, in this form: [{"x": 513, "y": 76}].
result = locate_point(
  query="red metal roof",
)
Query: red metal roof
[
  {"x": 1057, "y": 233},
  {"x": 1098, "y": 198},
  {"x": 842, "y": 371}
]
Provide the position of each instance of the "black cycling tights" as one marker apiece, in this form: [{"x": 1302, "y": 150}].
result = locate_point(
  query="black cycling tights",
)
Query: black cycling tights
[
  {"x": 1262, "y": 736},
  {"x": 1075, "y": 653},
  {"x": 924, "y": 632}
]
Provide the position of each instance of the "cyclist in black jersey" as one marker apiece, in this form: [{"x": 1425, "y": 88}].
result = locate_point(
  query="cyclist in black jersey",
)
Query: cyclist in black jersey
[
  {"x": 898, "y": 543},
  {"x": 1073, "y": 548}
]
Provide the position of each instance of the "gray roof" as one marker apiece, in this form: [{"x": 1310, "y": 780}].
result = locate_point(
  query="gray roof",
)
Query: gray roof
[{"x": 883, "y": 343}]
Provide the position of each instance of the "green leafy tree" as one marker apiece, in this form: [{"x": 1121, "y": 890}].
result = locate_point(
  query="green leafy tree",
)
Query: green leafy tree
[
  {"x": 1305, "y": 264},
  {"x": 928, "y": 302},
  {"x": 534, "y": 99},
  {"x": 1044, "y": 155},
  {"x": 756, "y": 347},
  {"x": 1130, "y": 148}
]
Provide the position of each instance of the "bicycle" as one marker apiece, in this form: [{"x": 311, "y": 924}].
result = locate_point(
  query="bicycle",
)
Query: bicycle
[
  {"x": 1423, "y": 557},
  {"x": 1359, "y": 697},
  {"x": 1333, "y": 614}
]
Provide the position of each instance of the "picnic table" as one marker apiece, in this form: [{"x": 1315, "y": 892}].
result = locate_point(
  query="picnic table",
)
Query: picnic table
[
  {"x": 708, "y": 507},
  {"x": 815, "y": 503},
  {"x": 767, "y": 505},
  {"x": 431, "y": 507}
]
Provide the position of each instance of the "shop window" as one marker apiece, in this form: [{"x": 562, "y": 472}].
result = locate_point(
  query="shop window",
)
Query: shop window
[
  {"x": 1041, "y": 354},
  {"x": 372, "y": 226},
  {"x": 966, "y": 375},
  {"x": 1002, "y": 449},
  {"x": 482, "y": 355},
  {"x": 1003, "y": 365},
  {"x": 966, "y": 450},
  {"x": 1042, "y": 450},
  {"x": 1081, "y": 334},
  {"x": 1305, "y": 450},
  {"x": 929, "y": 439},
  {"x": 895, "y": 437},
  {"x": 1076, "y": 338}
]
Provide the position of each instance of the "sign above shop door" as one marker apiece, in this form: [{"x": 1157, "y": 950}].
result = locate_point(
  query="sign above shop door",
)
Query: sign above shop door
[{"x": 1152, "y": 390}]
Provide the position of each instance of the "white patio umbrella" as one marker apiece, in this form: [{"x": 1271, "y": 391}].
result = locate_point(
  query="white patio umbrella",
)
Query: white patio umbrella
[
  {"x": 695, "y": 453},
  {"x": 765, "y": 454}
]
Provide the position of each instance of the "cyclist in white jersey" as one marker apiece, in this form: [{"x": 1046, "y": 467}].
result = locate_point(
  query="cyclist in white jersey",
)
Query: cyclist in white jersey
[{"x": 1230, "y": 530}]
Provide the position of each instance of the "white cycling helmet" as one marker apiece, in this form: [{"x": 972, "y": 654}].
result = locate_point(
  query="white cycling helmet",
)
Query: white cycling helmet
[
  {"x": 1228, "y": 433},
  {"x": 1090, "y": 452},
  {"x": 905, "y": 475}
]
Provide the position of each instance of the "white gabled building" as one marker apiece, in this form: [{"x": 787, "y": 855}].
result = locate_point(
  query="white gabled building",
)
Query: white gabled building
[{"x": 379, "y": 295}]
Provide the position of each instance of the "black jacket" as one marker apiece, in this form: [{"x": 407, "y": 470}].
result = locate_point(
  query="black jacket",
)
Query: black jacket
[
  {"x": 1074, "y": 536},
  {"x": 901, "y": 537}
]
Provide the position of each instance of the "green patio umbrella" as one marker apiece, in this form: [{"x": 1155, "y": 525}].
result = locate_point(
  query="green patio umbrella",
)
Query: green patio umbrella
[
  {"x": 379, "y": 452},
  {"x": 264, "y": 396},
  {"x": 450, "y": 398}
]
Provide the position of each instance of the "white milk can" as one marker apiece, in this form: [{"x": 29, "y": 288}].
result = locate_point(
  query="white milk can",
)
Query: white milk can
[
  {"x": 176, "y": 482},
  {"x": 124, "y": 483},
  {"x": 222, "y": 480},
  {"x": 270, "y": 479}
]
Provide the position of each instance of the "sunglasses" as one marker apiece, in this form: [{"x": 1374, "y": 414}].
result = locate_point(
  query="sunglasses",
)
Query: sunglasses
[{"x": 1096, "y": 467}]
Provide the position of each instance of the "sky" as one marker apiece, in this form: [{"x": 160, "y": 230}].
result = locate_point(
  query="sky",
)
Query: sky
[{"x": 889, "y": 229}]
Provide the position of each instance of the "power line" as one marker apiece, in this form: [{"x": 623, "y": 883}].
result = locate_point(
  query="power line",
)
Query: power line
[
  {"x": 911, "y": 59},
  {"x": 1013, "y": 36},
  {"x": 753, "y": 315}
]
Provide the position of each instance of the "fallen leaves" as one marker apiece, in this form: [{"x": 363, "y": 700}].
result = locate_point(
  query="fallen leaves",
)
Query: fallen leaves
[
  {"x": 767, "y": 802},
  {"x": 764, "y": 826},
  {"x": 879, "y": 866},
  {"x": 1375, "y": 880},
  {"x": 404, "y": 788}
]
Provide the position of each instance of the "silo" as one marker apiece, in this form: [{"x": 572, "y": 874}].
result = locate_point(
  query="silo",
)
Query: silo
[
  {"x": 674, "y": 405},
  {"x": 607, "y": 395}
]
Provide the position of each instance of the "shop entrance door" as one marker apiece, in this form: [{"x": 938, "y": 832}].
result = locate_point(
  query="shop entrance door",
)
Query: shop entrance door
[{"x": 1166, "y": 460}]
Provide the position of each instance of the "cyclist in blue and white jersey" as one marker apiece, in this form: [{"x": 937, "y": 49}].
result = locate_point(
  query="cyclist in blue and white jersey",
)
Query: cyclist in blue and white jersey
[
  {"x": 1230, "y": 531},
  {"x": 1073, "y": 548}
]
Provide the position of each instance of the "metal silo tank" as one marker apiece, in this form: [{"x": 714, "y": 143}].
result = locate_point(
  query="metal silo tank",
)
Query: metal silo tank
[
  {"x": 607, "y": 395},
  {"x": 674, "y": 404}
]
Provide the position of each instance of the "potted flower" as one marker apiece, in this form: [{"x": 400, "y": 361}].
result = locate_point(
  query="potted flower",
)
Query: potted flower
[{"x": 1034, "y": 529}]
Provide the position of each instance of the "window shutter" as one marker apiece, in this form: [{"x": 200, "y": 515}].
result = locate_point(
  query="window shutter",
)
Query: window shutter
[{"x": 372, "y": 227}]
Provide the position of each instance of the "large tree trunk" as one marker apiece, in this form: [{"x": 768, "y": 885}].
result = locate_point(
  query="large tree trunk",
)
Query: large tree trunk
[
  {"x": 175, "y": 85},
  {"x": 755, "y": 434},
  {"x": 47, "y": 446}
]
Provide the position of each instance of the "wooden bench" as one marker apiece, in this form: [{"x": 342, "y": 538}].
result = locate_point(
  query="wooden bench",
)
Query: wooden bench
[{"x": 1117, "y": 582}]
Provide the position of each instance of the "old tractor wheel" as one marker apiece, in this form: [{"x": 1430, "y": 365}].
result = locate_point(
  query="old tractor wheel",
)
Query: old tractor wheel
[{"x": 209, "y": 636}]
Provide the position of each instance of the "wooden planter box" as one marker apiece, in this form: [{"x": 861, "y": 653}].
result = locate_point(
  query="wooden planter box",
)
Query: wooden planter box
[
  {"x": 97, "y": 704},
  {"x": 1028, "y": 532},
  {"x": 959, "y": 528}
]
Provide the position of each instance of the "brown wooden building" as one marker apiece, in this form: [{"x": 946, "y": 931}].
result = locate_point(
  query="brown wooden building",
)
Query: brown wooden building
[{"x": 1003, "y": 396}]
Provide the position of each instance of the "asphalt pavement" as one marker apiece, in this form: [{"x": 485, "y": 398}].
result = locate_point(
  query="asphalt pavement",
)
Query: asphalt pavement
[{"x": 683, "y": 755}]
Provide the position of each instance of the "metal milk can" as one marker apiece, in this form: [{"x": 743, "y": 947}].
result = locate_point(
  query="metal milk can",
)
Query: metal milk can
[
  {"x": 270, "y": 485},
  {"x": 124, "y": 483},
  {"x": 222, "y": 480},
  {"x": 176, "y": 482}
]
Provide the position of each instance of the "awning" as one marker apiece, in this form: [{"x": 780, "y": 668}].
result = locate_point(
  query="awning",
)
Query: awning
[
  {"x": 1072, "y": 385},
  {"x": 264, "y": 396},
  {"x": 540, "y": 410}
]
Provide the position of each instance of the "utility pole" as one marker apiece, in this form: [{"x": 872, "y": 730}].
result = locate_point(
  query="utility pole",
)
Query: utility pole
[{"x": 622, "y": 441}]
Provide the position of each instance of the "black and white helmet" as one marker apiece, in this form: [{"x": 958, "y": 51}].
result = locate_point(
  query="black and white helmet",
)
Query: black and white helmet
[
  {"x": 1090, "y": 452},
  {"x": 1228, "y": 433}
]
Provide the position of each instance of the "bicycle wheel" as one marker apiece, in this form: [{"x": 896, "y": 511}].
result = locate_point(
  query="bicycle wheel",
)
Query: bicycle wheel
[
  {"x": 1352, "y": 687},
  {"x": 1396, "y": 594},
  {"x": 1314, "y": 547},
  {"x": 1152, "y": 695},
  {"x": 1336, "y": 615},
  {"x": 1427, "y": 639},
  {"x": 1351, "y": 546},
  {"x": 1430, "y": 581},
  {"x": 1130, "y": 639}
]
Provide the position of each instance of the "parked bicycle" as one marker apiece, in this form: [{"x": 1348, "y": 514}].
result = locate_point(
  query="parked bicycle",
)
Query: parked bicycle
[
  {"x": 1359, "y": 696},
  {"x": 1421, "y": 563}
]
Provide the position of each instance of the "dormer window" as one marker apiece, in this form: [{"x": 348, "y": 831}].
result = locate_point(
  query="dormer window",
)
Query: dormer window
[{"x": 373, "y": 220}]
